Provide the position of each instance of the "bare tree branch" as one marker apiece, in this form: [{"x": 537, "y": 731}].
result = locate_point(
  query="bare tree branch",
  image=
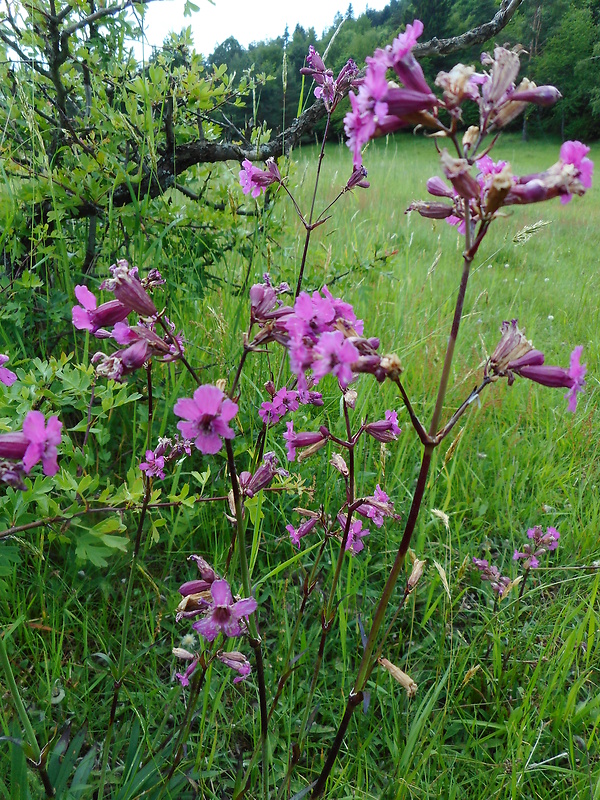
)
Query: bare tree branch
[
  {"x": 478, "y": 35},
  {"x": 105, "y": 12},
  {"x": 183, "y": 156},
  {"x": 37, "y": 65}
]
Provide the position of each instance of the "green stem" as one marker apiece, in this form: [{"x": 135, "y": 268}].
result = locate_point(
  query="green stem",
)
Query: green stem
[
  {"x": 16, "y": 697},
  {"x": 197, "y": 683},
  {"x": 367, "y": 662},
  {"x": 24, "y": 717},
  {"x": 308, "y": 225},
  {"x": 127, "y": 611},
  {"x": 307, "y": 590},
  {"x": 252, "y": 626}
]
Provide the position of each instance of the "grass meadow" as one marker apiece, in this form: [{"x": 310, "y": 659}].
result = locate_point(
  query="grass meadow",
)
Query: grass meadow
[{"x": 508, "y": 701}]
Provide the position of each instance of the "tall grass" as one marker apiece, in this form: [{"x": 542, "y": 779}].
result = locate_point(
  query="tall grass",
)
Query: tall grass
[{"x": 508, "y": 702}]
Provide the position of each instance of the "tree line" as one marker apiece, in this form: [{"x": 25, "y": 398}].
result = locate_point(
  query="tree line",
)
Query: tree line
[{"x": 560, "y": 39}]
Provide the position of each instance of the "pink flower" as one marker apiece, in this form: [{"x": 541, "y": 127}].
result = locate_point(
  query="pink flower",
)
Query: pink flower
[
  {"x": 251, "y": 484},
  {"x": 123, "y": 362},
  {"x": 184, "y": 677},
  {"x": 271, "y": 411},
  {"x": 94, "y": 318},
  {"x": 354, "y": 543},
  {"x": 306, "y": 439},
  {"x": 385, "y": 430},
  {"x": 154, "y": 465},
  {"x": 330, "y": 90},
  {"x": 7, "y": 377},
  {"x": 381, "y": 108},
  {"x": 302, "y": 530},
  {"x": 404, "y": 43},
  {"x": 573, "y": 152},
  {"x": 255, "y": 180},
  {"x": 236, "y": 661},
  {"x": 206, "y": 416},
  {"x": 43, "y": 440},
  {"x": 377, "y": 507},
  {"x": 334, "y": 353},
  {"x": 224, "y": 615},
  {"x": 128, "y": 288}
]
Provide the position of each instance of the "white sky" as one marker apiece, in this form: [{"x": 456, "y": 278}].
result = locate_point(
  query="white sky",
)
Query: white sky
[{"x": 247, "y": 20}]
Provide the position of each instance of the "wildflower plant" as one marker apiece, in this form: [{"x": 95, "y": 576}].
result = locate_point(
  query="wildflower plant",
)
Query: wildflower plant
[{"x": 318, "y": 342}]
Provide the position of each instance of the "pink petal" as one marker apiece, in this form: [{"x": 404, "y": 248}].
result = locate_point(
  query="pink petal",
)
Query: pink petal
[
  {"x": 33, "y": 454},
  {"x": 188, "y": 429},
  {"x": 7, "y": 376},
  {"x": 187, "y": 408},
  {"x": 207, "y": 627},
  {"x": 53, "y": 431},
  {"x": 207, "y": 443},
  {"x": 221, "y": 593},
  {"x": 85, "y": 297},
  {"x": 81, "y": 319},
  {"x": 49, "y": 461},
  {"x": 244, "y": 607},
  {"x": 208, "y": 399},
  {"x": 34, "y": 427},
  {"x": 228, "y": 410}
]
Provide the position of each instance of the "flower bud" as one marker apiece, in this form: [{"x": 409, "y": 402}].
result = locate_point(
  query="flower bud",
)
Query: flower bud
[
  {"x": 181, "y": 652},
  {"x": 470, "y": 136},
  {"x": 403, "y": 679},
  {"x": 13, "y": 445},
  {"x": 457, "y": 170},
  {"x": 415, "y": 575},
  {"x": 431, "y": 210},
  {"x": 337, "y": 462},
  {"x": 540, "y": 95},
  {"x": 500, "y": 185},
  {"x": 128, "y": 288}
]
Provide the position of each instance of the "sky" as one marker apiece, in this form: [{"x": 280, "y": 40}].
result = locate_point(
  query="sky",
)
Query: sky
[{"x": 246, "y": 20}]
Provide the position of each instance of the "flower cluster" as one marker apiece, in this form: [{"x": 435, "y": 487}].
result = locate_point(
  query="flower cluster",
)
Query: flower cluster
[
  {"x": 205, "y": 418},
  {"x": 325, "y": 337},
  {"x": 516, "y": 355},
  {"x": 22, "y": 450},
  {"x": 499, "y": 583},
  {"x": 254, "y": 180},
  {"x": 529, "y": 556},
  {"x": 209, "y": 597},
  {"x": 541, "y": 542},
  {"x": 376, "y": 507},
  {"x": 320, "y": 331},
  {"x": 495, "y": 91},
  {"x": 381, "y": 107},
  {"x": 495, "y": 186},
  {"x": 140, "y": 342},
  {"x": 328, "y": 89},
  {"x": 168, "y": 449},
  {"x": 284, "y": 400}
]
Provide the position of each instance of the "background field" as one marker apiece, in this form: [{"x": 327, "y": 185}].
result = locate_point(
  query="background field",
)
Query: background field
[{"x": 508, "y": 702}]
